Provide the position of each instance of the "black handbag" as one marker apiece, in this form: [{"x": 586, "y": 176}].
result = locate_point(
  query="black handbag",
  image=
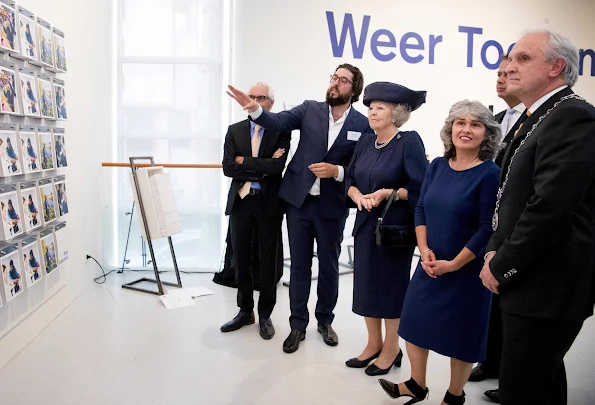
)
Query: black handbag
[{"x": 398, "y": 236}]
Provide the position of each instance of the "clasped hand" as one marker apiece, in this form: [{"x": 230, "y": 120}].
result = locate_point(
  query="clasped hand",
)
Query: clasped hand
[
  {"x": 435, "y": 268},
  {"x": 369, "y": 201}
]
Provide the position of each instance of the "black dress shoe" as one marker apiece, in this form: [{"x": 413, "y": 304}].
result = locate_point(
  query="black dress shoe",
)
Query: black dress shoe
[
  {"x": 292, "y": 343},
  {"x": 374, "y": 370},
  {"x": 328, "y": 334},
  {"x": 451, "y": 399},
  {"x": 494, "y": 395},
  {"x": 266, "y": 328},
  {"x": 357, "y": 363},
  {"x": 241, "y": 319},
  {"x": 480, "y": 373}
]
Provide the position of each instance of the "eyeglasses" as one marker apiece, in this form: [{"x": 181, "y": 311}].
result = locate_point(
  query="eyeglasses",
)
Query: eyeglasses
[
  {"x": 258, "y": 98},
  {"x": 342, "y": 80}
]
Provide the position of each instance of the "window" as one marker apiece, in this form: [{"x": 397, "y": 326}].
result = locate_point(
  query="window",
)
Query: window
[{"x": 170, "y": 66}]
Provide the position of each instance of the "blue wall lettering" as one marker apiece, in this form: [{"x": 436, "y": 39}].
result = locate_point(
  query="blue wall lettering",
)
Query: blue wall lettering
[{"x": 412, "y": 47}]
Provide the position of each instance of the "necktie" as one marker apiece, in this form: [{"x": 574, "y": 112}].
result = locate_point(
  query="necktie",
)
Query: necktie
[
  {"x": 505, "y": 125},
  {"x": 255, "y": 143},
  {"x": 520, "y": 126}
]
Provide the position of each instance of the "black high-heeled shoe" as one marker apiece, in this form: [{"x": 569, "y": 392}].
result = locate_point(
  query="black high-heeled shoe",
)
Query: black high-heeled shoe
[
  {"x": 451, "y": 399},
  {"x": 374, "y": 370},
  {"x": 392, "y": 390},
  {"x": 357, "y": 363}
]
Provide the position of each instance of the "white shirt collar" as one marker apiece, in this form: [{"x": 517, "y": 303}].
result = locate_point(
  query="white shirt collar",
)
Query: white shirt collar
[
  {"x": 520, "y": 107},
  {"x": 344, "y": 117},
  {"x": 543, "y": 99}
]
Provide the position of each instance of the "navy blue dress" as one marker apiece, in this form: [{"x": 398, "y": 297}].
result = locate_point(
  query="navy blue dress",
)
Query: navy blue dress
[
  {"x": 380, "y": 274},
  {"x": 449, "y": 314}
]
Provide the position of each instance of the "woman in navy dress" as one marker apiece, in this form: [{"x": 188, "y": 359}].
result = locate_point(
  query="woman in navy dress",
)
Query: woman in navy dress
[
  {"x": 392, "y": 160},
  {"x": 446, "y": 308}
]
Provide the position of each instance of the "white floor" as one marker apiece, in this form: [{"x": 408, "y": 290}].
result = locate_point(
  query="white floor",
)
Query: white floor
[{"x": 115, "y": 346}]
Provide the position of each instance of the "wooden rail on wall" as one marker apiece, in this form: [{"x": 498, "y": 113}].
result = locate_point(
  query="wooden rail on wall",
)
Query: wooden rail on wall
[{"x": 170, "y": 165}]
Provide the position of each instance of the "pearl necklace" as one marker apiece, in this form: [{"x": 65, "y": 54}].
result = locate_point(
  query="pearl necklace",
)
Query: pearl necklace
[{"x": 382, "y": 145}]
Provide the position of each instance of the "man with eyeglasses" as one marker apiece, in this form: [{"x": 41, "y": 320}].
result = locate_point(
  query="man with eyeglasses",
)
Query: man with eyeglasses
[
  {"x": 254, "y": 157},
  {"x": 313, "y": 187}
]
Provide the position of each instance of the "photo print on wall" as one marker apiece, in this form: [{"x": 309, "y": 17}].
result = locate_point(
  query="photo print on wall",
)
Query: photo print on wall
[
  {"x": 46, "y": 197},
  {"x": 8, "y": 90},
  {"x": 60, "y": 142},
  {"x": 59, "y": 50},
  {"x": 29, "y": 149},
  {"x": 46, "y": 98},
  {"x": 61, "y": 242},
  {"x": 48, "y": 252},
  {"x": 60, "y": 93},
  {"x": 30, "y": 253},
  {"x": 11, "y": 212},
  {"x": 28, "y": 89},
  {"x": 46, "y": 148},
  {"x": 12, "y": 277},
  {"x": 9, "y": 155},
  {"x": 8, "y": 33},
  {"x": 61, "y": 199},
  {"x": 46, "y": 56},
  {"x": 28, "y": 34},
  {"x": 30, "y": 203}
]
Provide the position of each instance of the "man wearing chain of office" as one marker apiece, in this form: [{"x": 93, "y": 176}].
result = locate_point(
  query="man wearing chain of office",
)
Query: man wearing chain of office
[{"x": 541, "y": 257}]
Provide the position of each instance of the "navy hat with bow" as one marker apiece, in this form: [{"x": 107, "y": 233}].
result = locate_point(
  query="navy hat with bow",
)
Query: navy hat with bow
[{"x": 393, "y": 93}]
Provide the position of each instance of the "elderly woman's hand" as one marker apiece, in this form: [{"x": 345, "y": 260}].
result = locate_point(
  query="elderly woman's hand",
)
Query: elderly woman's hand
[{"x": 378, "y": 196}]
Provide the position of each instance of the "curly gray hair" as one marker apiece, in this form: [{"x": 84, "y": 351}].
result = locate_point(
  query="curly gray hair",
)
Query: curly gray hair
[{"x": 490, "y": 146}]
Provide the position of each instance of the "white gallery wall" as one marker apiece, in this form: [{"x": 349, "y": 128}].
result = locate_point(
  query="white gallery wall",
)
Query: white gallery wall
[
  {"x": 87, "y": 25},
  {"x": 424, "y": 45}
]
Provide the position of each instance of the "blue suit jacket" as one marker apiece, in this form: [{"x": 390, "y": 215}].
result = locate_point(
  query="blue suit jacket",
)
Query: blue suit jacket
[{"x": 312, "y": 119}]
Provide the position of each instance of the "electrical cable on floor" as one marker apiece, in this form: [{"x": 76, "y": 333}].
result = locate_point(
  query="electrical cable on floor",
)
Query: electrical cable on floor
[{"x": 104, "y": 275}]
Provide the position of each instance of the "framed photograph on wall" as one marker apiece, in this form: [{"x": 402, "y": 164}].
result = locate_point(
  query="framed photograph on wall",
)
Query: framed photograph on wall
[
  {"x": 32, "y": 262},
  {"x": 46, "y": 148},
  {"x": 28, "y": 34},
  {"x": 60, "y": 97},
  {"x": 31, "y": 209},
  {"x": 61, "y": 242},
  {"x": 9, "y": 151},
  {"x": 9, "y": 98},
  {"x": 59, "y": 50},
  {"x": 61, "y": 199},
  {"x": 46, "y": 96},
  {"x": 12, "y": 225},
  {"x": 44, "y": 39},
  {"x": 12, "y": 277},
  {"x": 60, "y": 142},
  {"x": 27, "y": 81},
  {"x": 48, "y": 250},
  {"x": 47, "y": 200},
  {"x": 8, "y": 32},
  {"x": 29, "y": 149}
]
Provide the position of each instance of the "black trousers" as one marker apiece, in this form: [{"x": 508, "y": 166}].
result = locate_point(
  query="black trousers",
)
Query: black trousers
[
  {"x": 532, "y": 370},
  {"x": 494, "y": 348},
  {"x": 248, "y": 220},
  {"x": 305, "y": 225}
]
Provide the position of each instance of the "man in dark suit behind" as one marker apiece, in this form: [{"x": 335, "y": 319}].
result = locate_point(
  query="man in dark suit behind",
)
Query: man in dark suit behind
[
  {"x": 510, "y": 120},
  {"x": 254, "y": 157},
  {"x": 541, "y": 258},
  {"x": 313, "y": 187}
]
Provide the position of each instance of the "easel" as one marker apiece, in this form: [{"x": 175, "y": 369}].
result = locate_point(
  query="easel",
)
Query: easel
[{"x": 141, "y": 207}]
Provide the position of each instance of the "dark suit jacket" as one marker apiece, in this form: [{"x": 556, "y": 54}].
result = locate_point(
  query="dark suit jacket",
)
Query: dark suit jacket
[
  {"x": 510, "y": 135},
  {"x": 312, "y": 119},
  {"x": 264, "y": 169},
  {"x": 545, "y": 241}
]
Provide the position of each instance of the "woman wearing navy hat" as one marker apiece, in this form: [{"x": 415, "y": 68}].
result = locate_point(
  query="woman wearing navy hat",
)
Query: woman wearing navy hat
[
  {"x": 391, "y": 160},
  {"x": 446, "y": 310}
]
